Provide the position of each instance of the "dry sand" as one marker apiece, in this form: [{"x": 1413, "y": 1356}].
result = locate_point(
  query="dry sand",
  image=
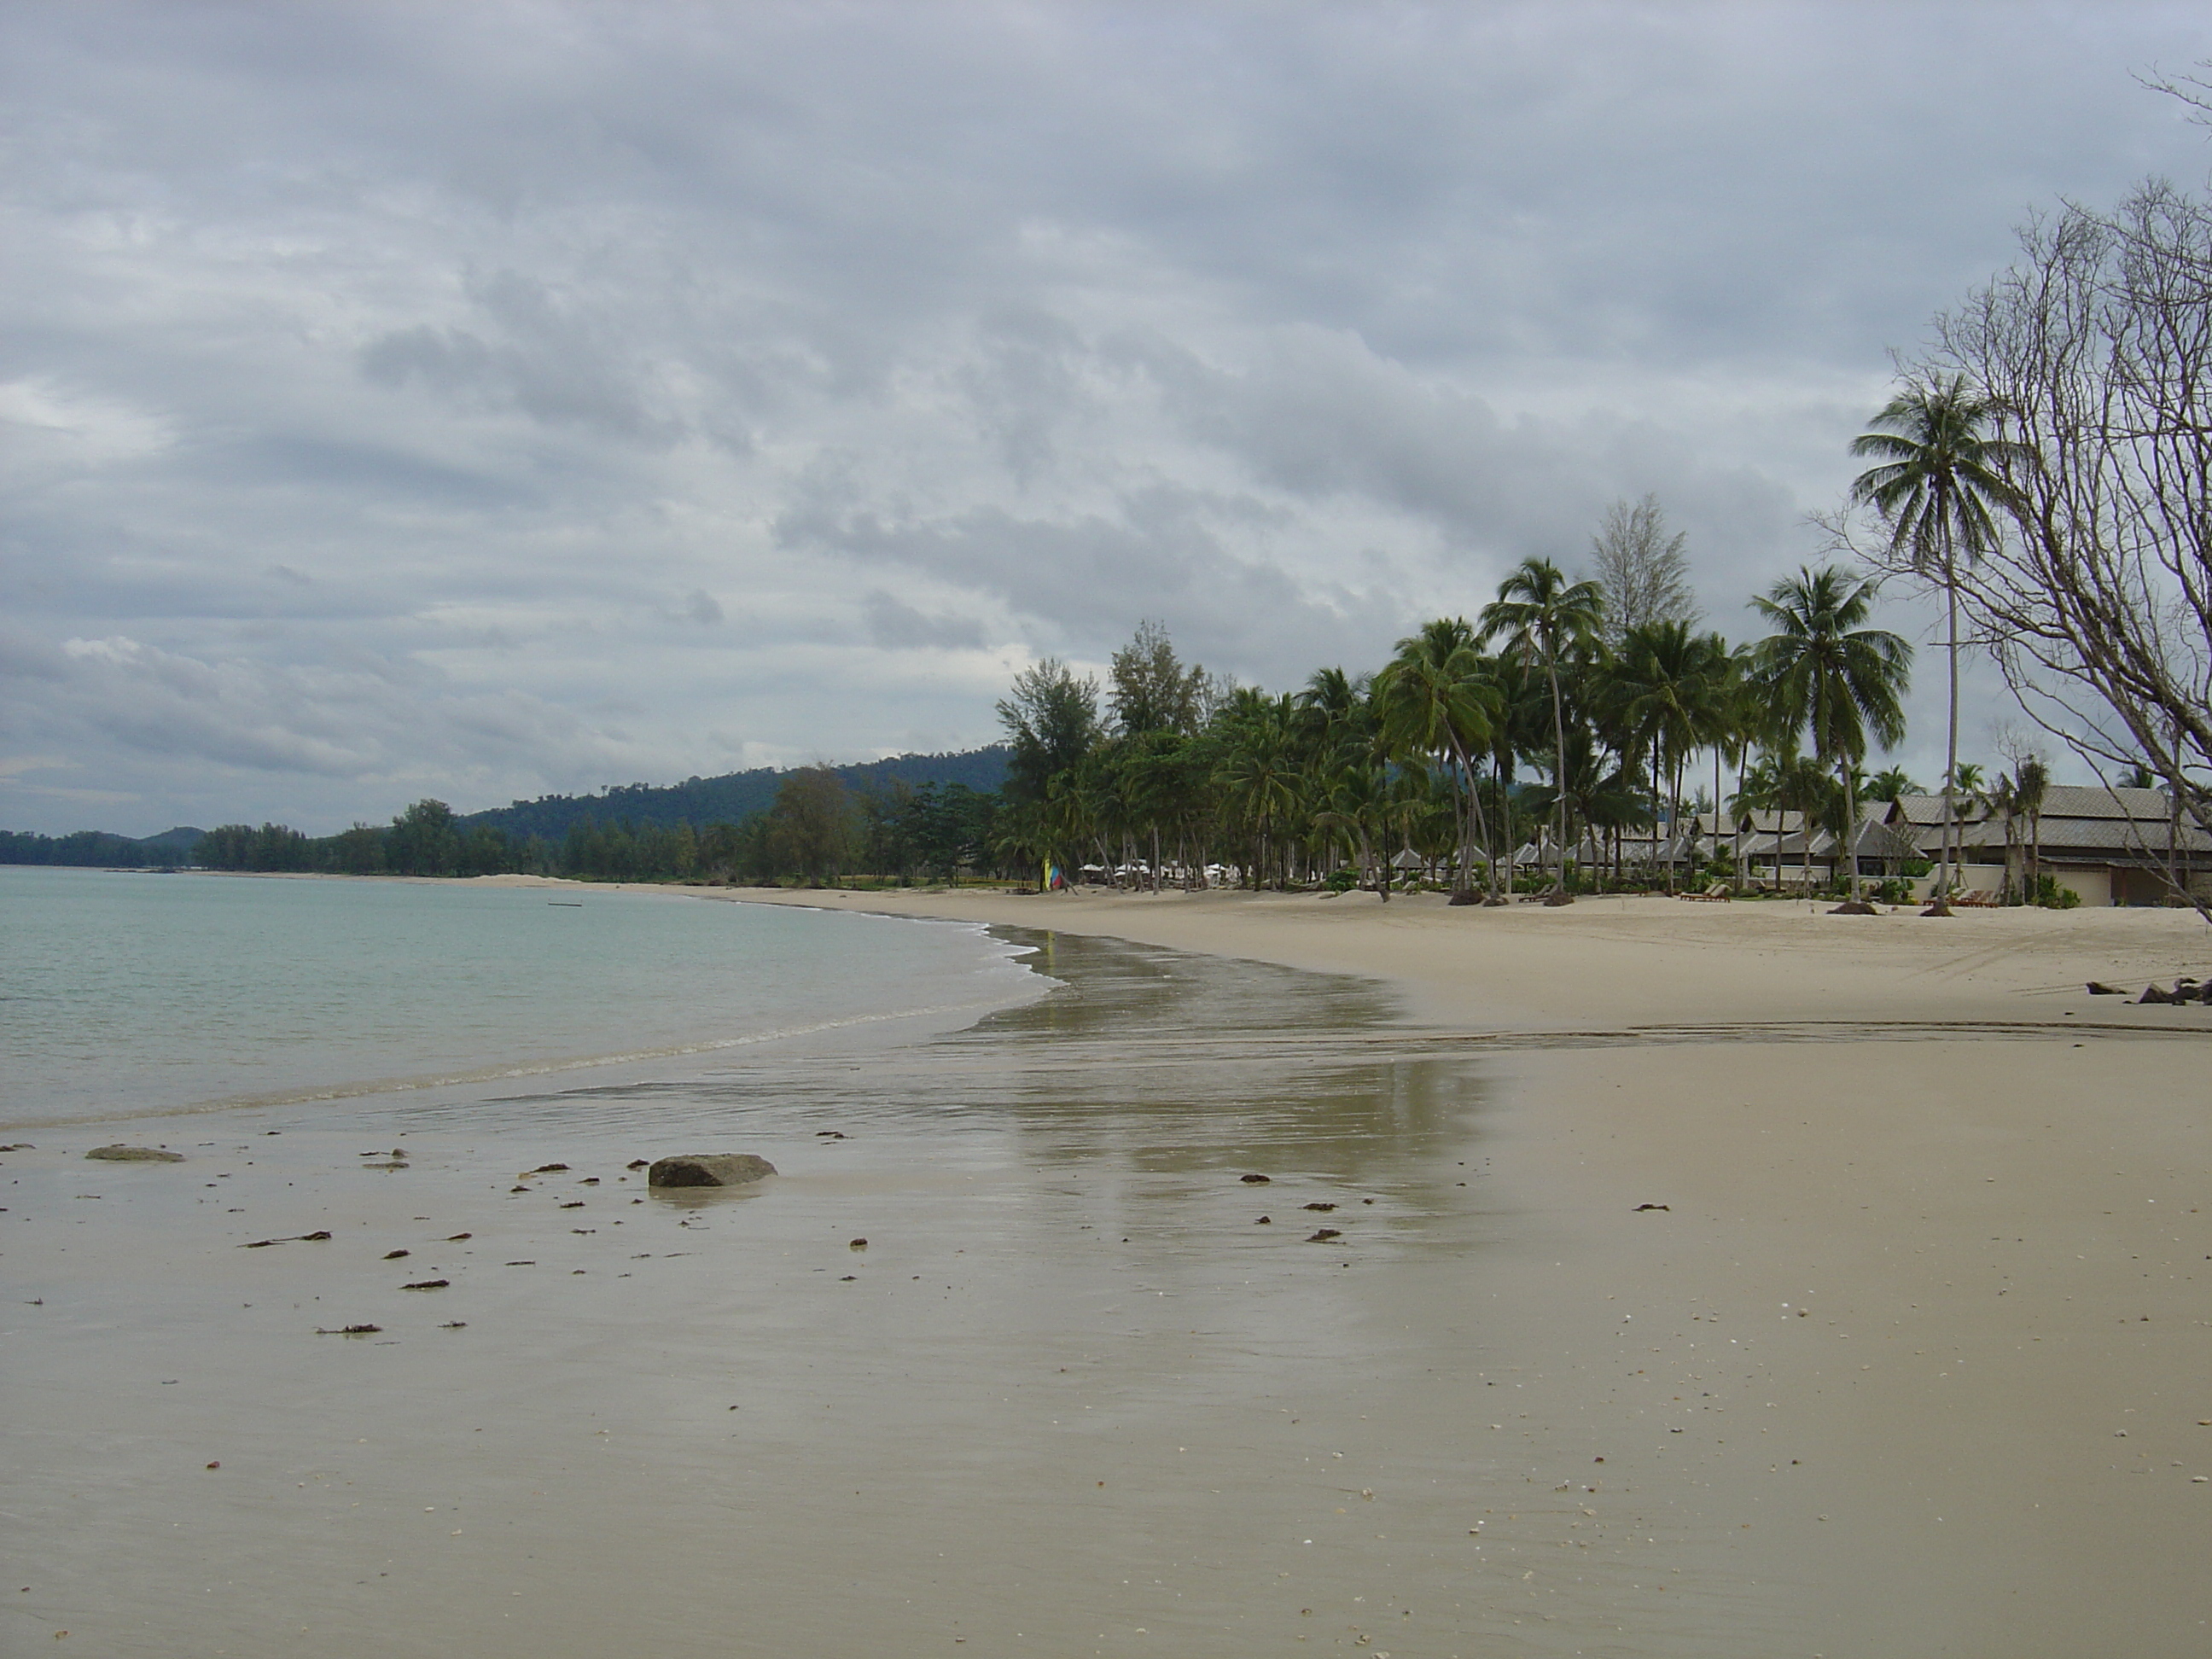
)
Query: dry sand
[{"x": 1914, "y": 1359}]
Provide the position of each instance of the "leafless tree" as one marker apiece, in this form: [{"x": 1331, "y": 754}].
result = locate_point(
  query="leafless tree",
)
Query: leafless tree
[
  {"x": 1641, "y": 567},
  {"x": 2096, "y": 348}
]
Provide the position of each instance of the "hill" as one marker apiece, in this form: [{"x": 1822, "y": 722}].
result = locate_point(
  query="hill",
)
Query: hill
[
  {"x": 96, "y": 849},
  {"x": 731, "y": 797}
]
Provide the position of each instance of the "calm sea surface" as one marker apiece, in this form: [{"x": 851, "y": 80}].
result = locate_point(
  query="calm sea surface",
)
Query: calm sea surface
[{"x": 123, "y": 994}]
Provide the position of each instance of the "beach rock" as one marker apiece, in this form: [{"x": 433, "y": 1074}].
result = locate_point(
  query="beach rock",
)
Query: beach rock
[
  {"x": 708, "y": 1170},
  {"x": 135, "y": 1155},
  {"x": 1321, "y": 1236},
  {"x": 1256, "y": 1180}
]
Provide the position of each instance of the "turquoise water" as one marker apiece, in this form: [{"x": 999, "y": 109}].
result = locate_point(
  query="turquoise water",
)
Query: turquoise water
[{"x": 125, "y": 995}]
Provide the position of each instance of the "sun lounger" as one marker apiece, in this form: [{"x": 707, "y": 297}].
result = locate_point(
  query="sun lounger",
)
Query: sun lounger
[{"x": 1718, "y": 891}]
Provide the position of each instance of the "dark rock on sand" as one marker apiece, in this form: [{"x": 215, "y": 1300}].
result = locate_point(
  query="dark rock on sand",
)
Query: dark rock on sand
[
  {"x": 119, "y": 1154},
  {"x": 1319, "y": 1206},
  {"x": 708, "y": 1170},
  {"x": 1323, "y": 1234},
  {"x": 1256, "y": 1180}
]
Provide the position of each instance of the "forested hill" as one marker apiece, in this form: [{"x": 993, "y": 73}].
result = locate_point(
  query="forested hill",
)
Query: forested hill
[
  {"x": 96, "y": 849},
  {"x": 733, "y": 797}
]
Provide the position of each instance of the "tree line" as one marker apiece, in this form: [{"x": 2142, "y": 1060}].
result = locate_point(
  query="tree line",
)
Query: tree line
[
  {"x": 817, "y": 830},
  {"x": 1565, "y": 719}
]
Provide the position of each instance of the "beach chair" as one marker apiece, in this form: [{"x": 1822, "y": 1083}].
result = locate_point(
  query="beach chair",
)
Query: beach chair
[{"x": 1717, "y": 891}]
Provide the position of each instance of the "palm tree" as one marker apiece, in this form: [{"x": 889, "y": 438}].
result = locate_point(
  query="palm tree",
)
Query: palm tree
[
  {"x": 1828, "y": 676},
  {"x": 1937, "y": 484},
  {"x": 1437, "y": 701},
  {"x": 2030, "y": 780},
  {"x": 1891, "y": 782},
  {"x": 1545, "y": 618},
  {"x": 1259, "y": 778},
  {"x": 1672, "y": 686}
]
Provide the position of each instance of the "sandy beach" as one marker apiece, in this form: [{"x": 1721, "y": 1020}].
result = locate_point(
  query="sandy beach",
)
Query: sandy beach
[
  {"x": 1943, "y": 1212},
  {"x": 1727, "y": 1280}
]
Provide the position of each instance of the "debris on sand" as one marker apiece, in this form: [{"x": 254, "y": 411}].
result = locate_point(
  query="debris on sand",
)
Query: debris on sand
[
  {"x": 394, "y": 1255},
  {"x": 348, "y": 1330},
  {"x": 1265, "y": 1221},
  {"x": 455, "y": 1238},
  {"x": 1323, "y": 1234},
  {"x": 1323, "y": 1207},
  {"x": 296, "y": 1238},
  {"x": 1642, "y": 1207},
  {"x": 1256, "y": 1180},
  {"x": 2099, "y": 989},
  {"x": 119, "y": 1154},
  {"x": 857, "y": 1244},
  {"x": 427, "y": 1284}
]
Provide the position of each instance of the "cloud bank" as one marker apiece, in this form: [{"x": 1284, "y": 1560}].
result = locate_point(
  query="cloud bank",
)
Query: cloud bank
[{"x": 479, "y": 400}]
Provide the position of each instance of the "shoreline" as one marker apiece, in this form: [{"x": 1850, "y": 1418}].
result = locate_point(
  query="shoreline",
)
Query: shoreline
[
  {"x": 1742, "y": 1336},
  {"x": 1973, "y": 1263}
]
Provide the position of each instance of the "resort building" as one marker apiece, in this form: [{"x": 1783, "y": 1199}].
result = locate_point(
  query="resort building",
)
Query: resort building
[{"x": 2110, "y": 846}]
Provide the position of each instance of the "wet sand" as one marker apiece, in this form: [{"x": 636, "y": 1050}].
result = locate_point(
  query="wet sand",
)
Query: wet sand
[{"x": 1074, "y": 1397}]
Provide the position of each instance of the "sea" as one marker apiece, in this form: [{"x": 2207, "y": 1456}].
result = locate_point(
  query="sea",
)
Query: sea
[{"x": 125, "y": 995}]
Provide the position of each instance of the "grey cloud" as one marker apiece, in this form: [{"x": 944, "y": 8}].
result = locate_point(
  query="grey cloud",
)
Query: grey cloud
[
  {"x": 515, "y": 331},
  {"x": 898, "y": 626},
  {"x": 1091, "y": 579}
]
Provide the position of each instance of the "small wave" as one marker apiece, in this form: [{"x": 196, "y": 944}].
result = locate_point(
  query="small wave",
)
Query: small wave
[{"x": 361, "y": 1088}]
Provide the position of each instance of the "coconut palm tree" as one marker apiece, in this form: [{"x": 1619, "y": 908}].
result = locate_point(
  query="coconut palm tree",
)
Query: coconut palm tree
[
  {"x": 1436, "y": 701},
  {"x": 1672, "y": 688},
  {"x": 1891, "y": 782},
  {"x": 2030, "y": 780},
  {"x": 1828, "y": 676},
  {"x": 1547, "y": 619},
  {"x": 1940, "y": 484}
]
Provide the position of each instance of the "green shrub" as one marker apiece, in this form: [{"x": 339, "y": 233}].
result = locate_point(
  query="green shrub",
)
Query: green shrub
[{"x": 2051, "y": 897}]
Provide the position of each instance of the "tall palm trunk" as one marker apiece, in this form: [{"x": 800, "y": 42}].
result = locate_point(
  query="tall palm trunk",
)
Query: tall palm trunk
[
  {"x": 1851, "y": 845},
  {"x": 1944, "y": 873},
  {"x": 1559, "y": 762}
]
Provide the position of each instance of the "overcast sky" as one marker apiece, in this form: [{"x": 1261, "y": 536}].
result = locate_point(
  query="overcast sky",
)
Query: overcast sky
[{"x": 480, "y": 399}]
